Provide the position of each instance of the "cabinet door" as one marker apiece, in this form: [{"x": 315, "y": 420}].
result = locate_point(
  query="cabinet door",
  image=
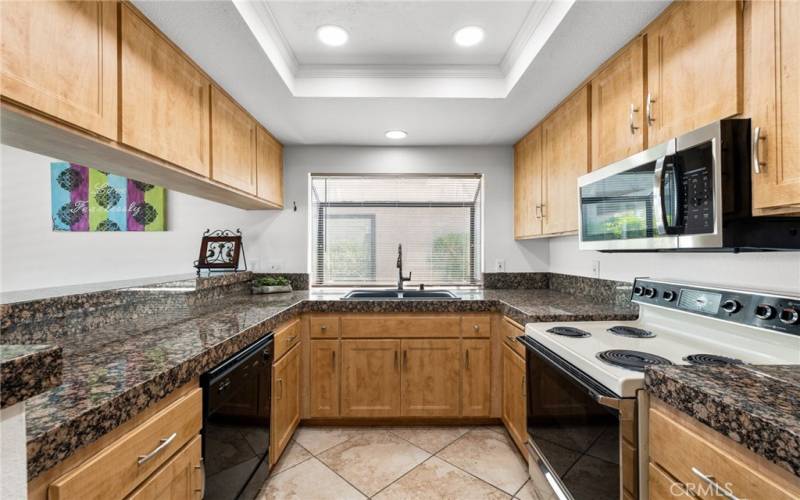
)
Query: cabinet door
[
  {"x": 269, "y": 168},
  {"x": 324, "y": 376},
  {"x": 431, "y": 373},
  {"x": 60, "y": 58},
  {"x": 370, "y": 378},
  {"x": 514, "y": 397},
  {"x": 775, "y": 103},
  {"x": 528, "y": 186},
  {"x": 181, "y": 478},
  {"x": 694, "y": 67},
  {"x": 476, "y": 382},
  {"x": 618, "y": 107},
  {"x": 233, "y": 144},
  {"x": 165, "y": 98},
  {"x": 285, "y": 401},
  {"x": 565, "y": 137}
]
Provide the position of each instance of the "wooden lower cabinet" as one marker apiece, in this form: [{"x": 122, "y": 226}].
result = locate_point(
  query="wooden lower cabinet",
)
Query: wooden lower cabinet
[
  {"x": 662, "y": 486},
  {"x": 285, "y": 401},
  {"x": 476, "y": 378},
  {"x": 179, "y": 479},
  {"x": 430, "y": 378},
  {"x": 324, "y": 377},
  {"x": 514, "y": 397},
  {"x": 370, "y": 383},
  {"x": 683, "y": 448}
]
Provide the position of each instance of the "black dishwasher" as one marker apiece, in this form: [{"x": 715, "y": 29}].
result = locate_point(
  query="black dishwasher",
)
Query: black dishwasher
[{"x": 236, "y": 407}]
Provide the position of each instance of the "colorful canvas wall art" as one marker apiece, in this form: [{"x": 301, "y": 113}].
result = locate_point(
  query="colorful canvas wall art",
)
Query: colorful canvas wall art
[{"x": 86, "y": 199}]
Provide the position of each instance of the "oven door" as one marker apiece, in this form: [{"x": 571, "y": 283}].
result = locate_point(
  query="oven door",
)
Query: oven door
[
  {"x": 633, "y": 204},
  {"x": 573, "y": 429}
]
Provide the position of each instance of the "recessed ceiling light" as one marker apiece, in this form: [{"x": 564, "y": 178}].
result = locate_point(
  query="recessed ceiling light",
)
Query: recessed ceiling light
[
  {"x": 396, "y": 134},
  {"x": 332, "y": 35},
  {"x": 468, "y": 36}
]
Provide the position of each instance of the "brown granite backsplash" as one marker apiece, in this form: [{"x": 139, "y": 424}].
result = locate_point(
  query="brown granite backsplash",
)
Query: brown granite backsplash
[
  {"x": 299, "y": 281},
  {"x": 600, "y": 290},
  {"x": 507, "y": 281}
]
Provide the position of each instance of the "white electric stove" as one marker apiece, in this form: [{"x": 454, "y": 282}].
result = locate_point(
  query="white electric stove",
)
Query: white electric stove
[{"x": 697, "y": 325}]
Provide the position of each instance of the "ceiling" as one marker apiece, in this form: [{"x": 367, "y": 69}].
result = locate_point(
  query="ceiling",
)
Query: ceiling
[{"x": 400, "y": 69}]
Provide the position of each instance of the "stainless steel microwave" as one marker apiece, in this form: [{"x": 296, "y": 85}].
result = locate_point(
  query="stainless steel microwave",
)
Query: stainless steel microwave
[{"x": 691, "y": 193}]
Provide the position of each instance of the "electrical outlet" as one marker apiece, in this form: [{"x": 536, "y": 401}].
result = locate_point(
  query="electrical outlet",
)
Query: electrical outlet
[
  {"x": 500, "y": 266},
  {"x": 596, "y": 268}
]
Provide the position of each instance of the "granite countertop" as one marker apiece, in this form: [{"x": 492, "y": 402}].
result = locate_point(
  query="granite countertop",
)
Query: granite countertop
[
  {"x": 113, "y": 372},
  {"x": 28, "y": 370},
  {"x": 757, "y": 406}
]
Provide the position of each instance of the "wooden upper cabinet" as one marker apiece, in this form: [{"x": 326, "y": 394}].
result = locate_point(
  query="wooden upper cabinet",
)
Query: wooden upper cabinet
[
  {"x": 775, "y": 103},
  {"x": 694, "y": 67},
  {"x": 618, "y": 107},
  {"x": 269, "y": 168},
  {"x": 431, "y": 374},
  {"x": 233, "y": 136},
  {"x": 60, "y": 58},
  {"x": 528, "y": 186},
  {"x": 165, "y": 98},
  {"x": 565, "y": 154},
  {"x": 370, "y": 378},
  {"x": 324, "y": 376},
  {"x": 476, "y": 382}
]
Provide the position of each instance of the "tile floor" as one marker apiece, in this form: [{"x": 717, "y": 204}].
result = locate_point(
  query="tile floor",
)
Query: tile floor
[{"x": 399, "y": 463}]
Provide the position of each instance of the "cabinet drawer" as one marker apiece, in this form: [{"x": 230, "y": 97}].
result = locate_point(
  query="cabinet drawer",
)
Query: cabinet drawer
[
  {"x": 119, "y": 468},
  {"x": 286, "y": 337},
  {"x": 180, "y": 478},
  {"x": 324, "y": 326},
  {"x": 662, "y": 486},
  {"x": 395, "y": 326},
  {"x": 511, "y": 330},
  {"x": 476, "y": 326},
  {"x": 685, "y": 454}
]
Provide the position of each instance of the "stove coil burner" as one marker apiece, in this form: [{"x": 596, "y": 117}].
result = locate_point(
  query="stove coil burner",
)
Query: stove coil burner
[
  {"x": 629, "y": 331},
  {"x": 568, "y": 331},
  {"x": 632, "y": 360},
  {"x": 711, "y": 359}
]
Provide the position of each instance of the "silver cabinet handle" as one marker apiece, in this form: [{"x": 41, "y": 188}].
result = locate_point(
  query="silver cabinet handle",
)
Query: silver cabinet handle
[
  {"x": 633, "y": 109},
  {"x": 757, "y": 163},
  {"x": 476, "y": 327},
  {"x": 143, "y": 459},
  {"x": 466, "y": 362},
  {"x": 280, "y": 385},
  {"x": 333, "y": 360},
  {"x": 713, "y": 483},
  {"x": 538, "y": 211},
  {"x": 524, "y": 395},
  {"x": 202, "y": 468},
  {"x": 323, "y": 327},
  {"x": 405, "y": 359},
  {"x": 649, "y": 110}
]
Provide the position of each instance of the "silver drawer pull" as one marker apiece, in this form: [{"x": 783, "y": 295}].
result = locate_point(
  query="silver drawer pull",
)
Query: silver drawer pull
[
  {"x": 476, "y": 327},
  {"x": 713, "y": 483},
  {"x": 143, "y": 459}
]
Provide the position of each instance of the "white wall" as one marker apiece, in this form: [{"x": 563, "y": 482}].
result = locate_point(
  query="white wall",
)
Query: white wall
[
  {"x": 284, "y": 242},
  {"x": 32, "y": 255},
  {"x": 777, "y": 271}
]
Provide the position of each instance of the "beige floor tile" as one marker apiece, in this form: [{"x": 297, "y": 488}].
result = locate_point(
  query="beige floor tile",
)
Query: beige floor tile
[
  {"x": 318, "y": 439},
  {"x": 527, "y": 492},
  {"x": 436, "y": 479},
  {"x": 310, "y": 480},
  {"x": 489, "y": 456},
  {"x": 430, "y": 439},
  {"x": 292, "y": 455},
  {"x": 371, "y": 460}
]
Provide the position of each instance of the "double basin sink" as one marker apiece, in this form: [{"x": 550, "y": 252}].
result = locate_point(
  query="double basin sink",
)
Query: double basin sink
[{"x": 401, "y": 294}]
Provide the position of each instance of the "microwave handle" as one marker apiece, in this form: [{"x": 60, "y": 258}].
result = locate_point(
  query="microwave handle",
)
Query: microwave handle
[{"x": 658, "y": 196}]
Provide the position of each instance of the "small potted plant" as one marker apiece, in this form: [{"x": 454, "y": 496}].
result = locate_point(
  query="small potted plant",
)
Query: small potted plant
[{"x": 271, "y": 284}]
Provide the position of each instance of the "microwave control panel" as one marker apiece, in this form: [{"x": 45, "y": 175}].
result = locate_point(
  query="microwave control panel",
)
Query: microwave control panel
[
  {"x": 698, "y": 194},
  {"x": 778, "y": 313}
]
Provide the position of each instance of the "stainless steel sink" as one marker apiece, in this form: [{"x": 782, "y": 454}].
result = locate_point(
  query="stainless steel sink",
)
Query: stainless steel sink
[{"x": 401, "y": 294}]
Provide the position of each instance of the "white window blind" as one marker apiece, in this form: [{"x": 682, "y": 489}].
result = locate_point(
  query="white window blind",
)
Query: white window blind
[{"x": 358, "y": 222}]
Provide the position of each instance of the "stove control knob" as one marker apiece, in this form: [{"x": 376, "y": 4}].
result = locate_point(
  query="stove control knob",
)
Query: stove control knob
[
  {"x": 765, "y": 311},
  {"x": 790, "y": 316},
  {"x": 650, "y": 292},
  {"x": 638, "y": 290},
  {"x": 731, "y": 306},
  {"x": 669, "y": 295}
]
